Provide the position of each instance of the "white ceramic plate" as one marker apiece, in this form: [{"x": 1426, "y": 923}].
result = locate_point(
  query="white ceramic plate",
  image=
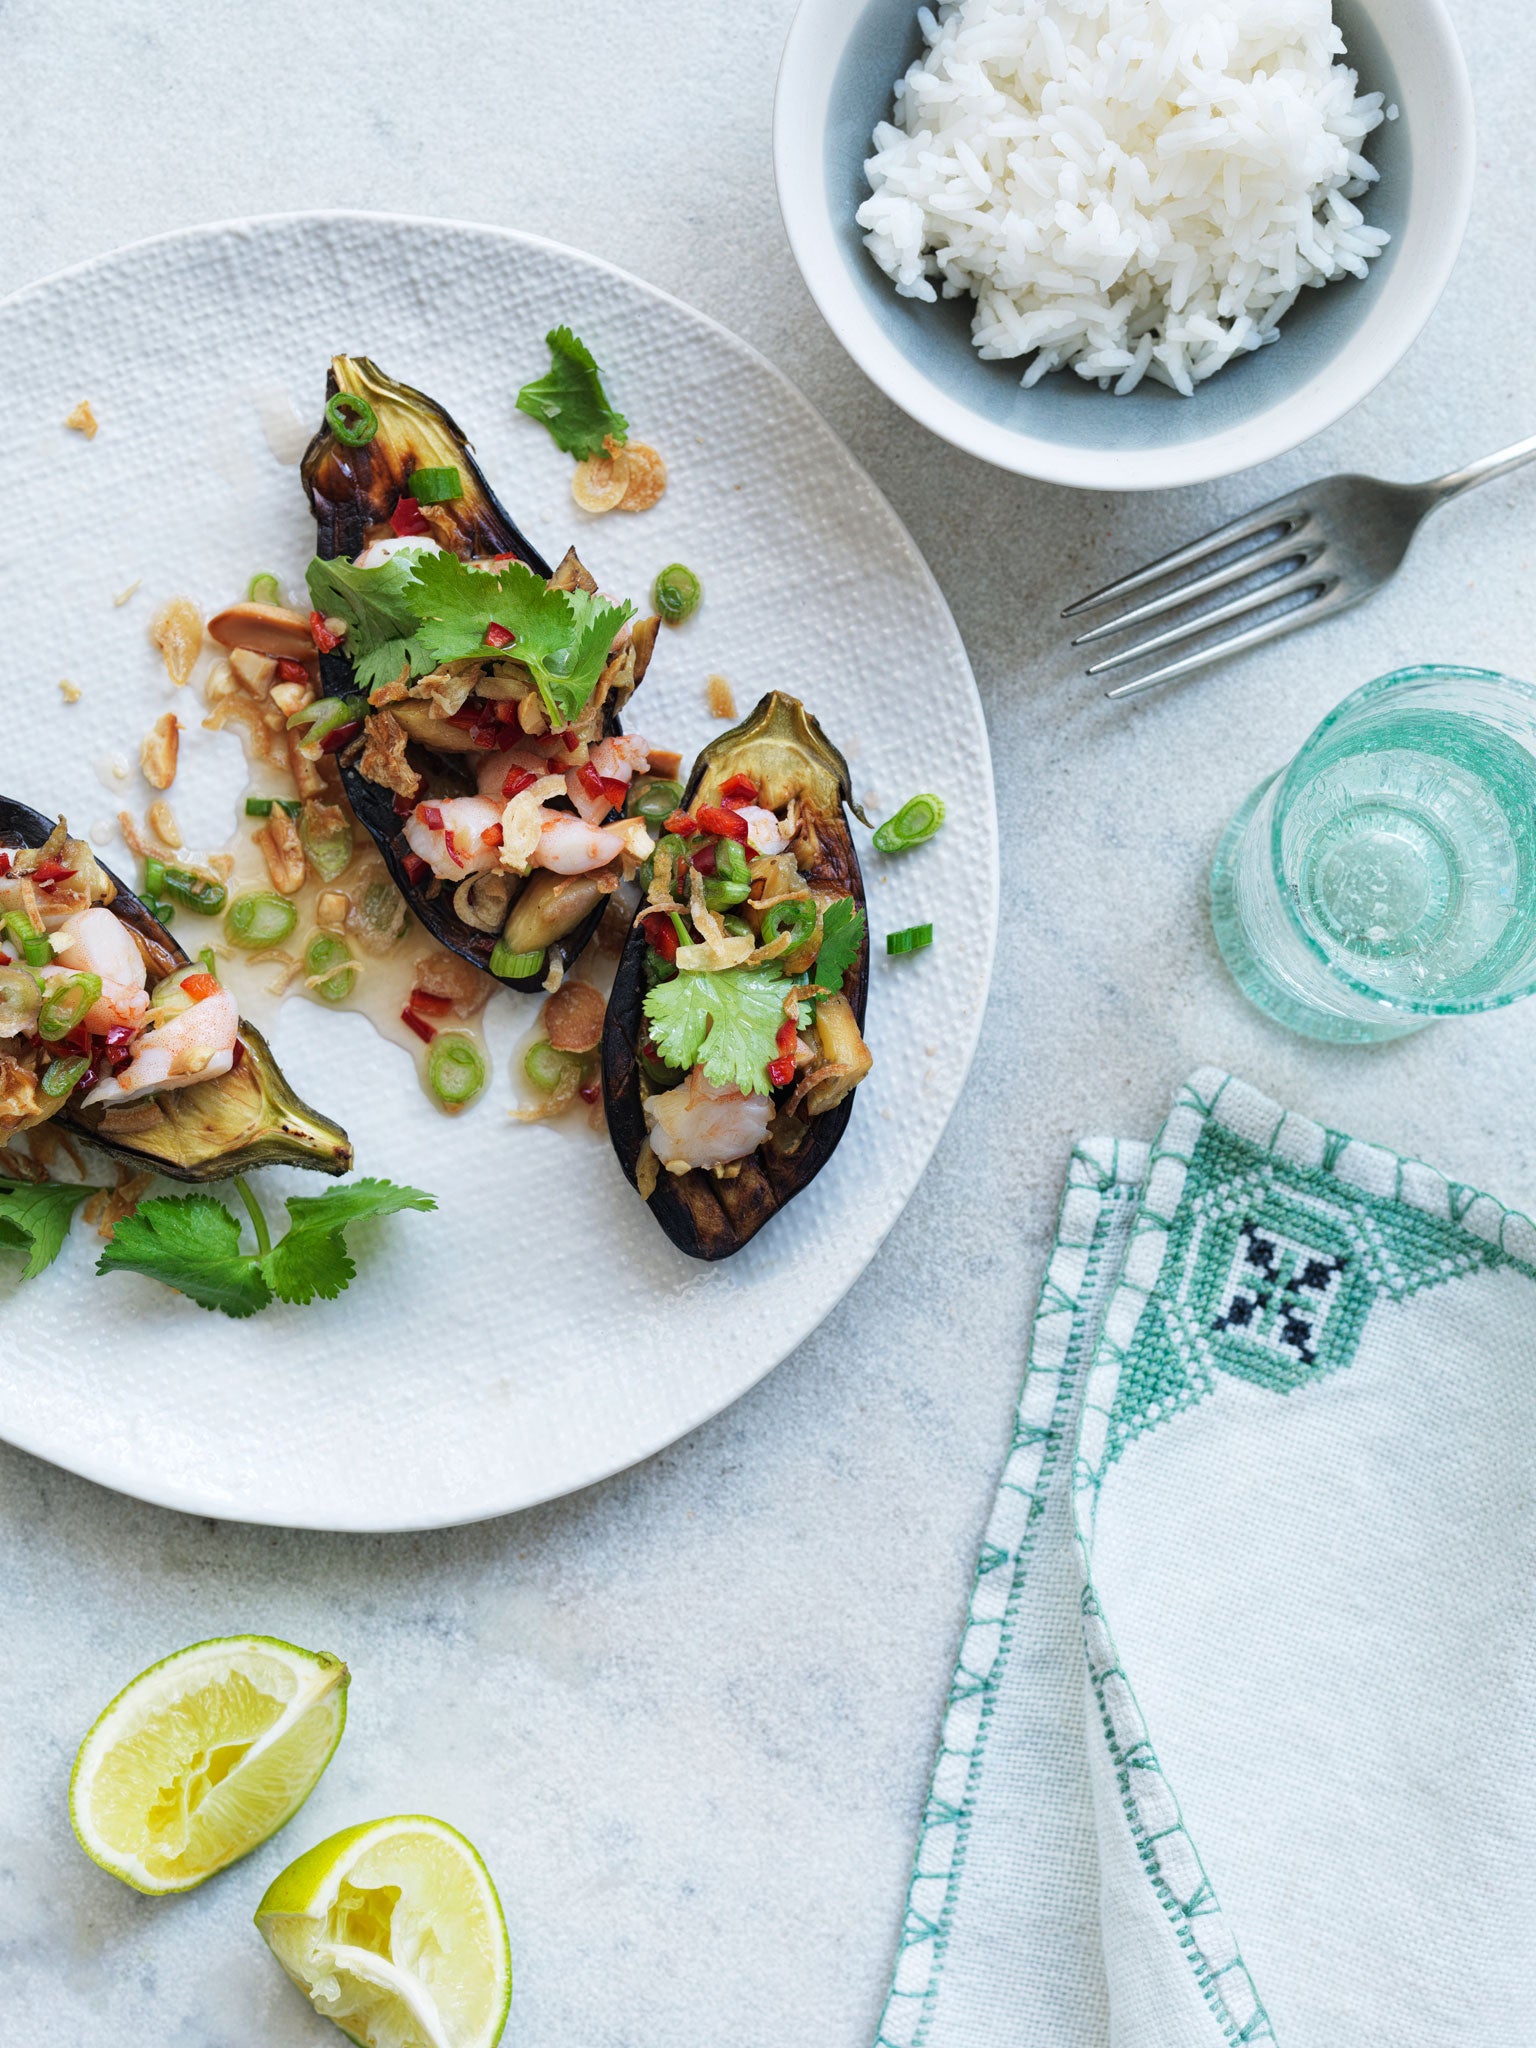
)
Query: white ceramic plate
[{"x": 539, "y": 1331}]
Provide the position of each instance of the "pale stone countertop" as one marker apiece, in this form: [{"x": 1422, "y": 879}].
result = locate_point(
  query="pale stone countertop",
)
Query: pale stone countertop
[{"x": 689, "y": 1715}]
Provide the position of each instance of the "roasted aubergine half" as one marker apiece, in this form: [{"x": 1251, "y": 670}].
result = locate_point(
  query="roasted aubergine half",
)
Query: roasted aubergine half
[
  {"x": 734, "y": 1036},
  {"x": 108, "y": 1026},
  {"x": 472, "y": 696}
]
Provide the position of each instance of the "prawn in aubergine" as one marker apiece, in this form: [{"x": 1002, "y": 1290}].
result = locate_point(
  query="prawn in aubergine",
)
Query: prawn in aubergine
[
  {"x": 434, "y": 758},
  {"x": 734, "y": 1036},
  {"x": 107, "y": 1025}
]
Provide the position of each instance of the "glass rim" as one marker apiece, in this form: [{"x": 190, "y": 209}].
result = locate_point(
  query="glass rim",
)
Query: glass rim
[{"x": 1378, "y": 687}]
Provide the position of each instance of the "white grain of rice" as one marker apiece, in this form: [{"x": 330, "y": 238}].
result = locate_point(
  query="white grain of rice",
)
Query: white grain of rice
[{"x": 1129, "y": 188}]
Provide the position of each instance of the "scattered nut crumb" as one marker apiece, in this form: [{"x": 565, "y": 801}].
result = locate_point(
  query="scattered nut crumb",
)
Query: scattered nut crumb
[
  {"x": 331, "y": 908},
  {"x": 70, "y": 692},
  {"x": 646, "y": 479},
  {"x": 556, "y": 974},
  {"x": 123, "y": 596},
  {"x": 162, "y": 822},
  {"x": 82, "y": 420},
  {"x": 598, "y": 484},
  {"x": 177, "y": 630},
  {"x": 721, "y": 702},
  {"x": 222, "y": 864},
  {"x": 157, "y": 755},
  {"x": 254, "y": 671},
  {"x": 111, "y": 1206}
]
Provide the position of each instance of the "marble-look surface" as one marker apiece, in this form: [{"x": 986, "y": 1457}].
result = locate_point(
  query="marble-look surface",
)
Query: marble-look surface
[{"x": 689, "y": 1715}]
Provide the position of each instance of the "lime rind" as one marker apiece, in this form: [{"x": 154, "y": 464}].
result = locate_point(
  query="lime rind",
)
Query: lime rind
[
  {"x": 320, "y": 1683},
  {"x": 349, "y": 1919}
]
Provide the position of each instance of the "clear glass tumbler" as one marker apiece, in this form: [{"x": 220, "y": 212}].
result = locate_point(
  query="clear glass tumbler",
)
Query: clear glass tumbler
[{"x": 1388, "y": 875}]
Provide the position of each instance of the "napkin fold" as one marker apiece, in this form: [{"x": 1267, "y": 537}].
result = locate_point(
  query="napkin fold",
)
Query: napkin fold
[{"x": 1239, "y": 1745}]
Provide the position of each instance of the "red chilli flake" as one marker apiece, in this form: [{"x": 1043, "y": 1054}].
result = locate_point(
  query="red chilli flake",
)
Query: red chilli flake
[
  {"x": 723, "y": 823},
  {"x": 659, "y": 933},
  {"x": 518, "y": 779},
  {"x": 497, "y": 636},
  {"x": 431, "y": 816},
  {"x": 415, "y": 868},
  {"x": 293, "y": 671},
  {"x": 703, "y": 858},
  {"x": 491, "y": 836},
  {"x": 341, "y": 737},
  {"x": 407, "y": 517},
  {"x": 737, "y": 790},
  {"x": 429, "y": 1005},
  {"x": 5, "y": 862},
  {"x": 51, "y": 871},
  {"x": 424, "y": 1031},
  {"x": 321, "y": 634},
  {"x": 781, "y": 1071},
  {"x": 403, "y": 806},
  {"x": 589, "y": 1091},
  {"x": 683, "y": 823}
]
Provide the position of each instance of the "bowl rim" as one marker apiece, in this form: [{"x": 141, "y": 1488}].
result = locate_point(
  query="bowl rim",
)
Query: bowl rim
[{"x": 813, "y": 49}]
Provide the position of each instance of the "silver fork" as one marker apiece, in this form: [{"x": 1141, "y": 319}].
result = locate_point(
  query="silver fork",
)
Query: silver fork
[{"x": 1314, "y": 552}]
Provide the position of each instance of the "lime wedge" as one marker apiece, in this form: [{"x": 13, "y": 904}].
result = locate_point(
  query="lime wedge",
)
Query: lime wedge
[
  {"x": 203, "y": 1756},
  {"x": 394, "y": 1931}
]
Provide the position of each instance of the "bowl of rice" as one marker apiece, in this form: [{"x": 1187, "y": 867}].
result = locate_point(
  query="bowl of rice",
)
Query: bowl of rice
[{"x": 1124, "y": 244}]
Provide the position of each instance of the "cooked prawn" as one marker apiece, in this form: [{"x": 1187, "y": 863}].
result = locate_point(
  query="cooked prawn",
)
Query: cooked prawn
[
  {"x": 765, "y": 834},
  {"x": 624, "y": 755},
  {"x": 198, "y": 1044},
  {"x": 466, "y": 842},
  {"x": 98, "y": 942},
  {"x": 698, "y": 1124},
  {"x": 379, "y": 551},
  {"x": 570, "y": 846}
]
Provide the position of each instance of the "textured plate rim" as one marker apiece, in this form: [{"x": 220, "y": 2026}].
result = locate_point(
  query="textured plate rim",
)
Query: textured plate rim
[{"x": 187, "y": 1501}]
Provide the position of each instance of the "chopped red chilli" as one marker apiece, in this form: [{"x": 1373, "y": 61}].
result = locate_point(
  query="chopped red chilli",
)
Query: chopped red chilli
[
  {"x": 497, "y": 636},
  {"x": 682, "y": 823},
  {"x": 321, "y": 634},
  {"x": 722, "y": 823},
  {"x": 406, "y": 519},
  {"x": 424, "y": 1031},
  {"x": 415, "y": 868},
  {"x": 292, "y": 671},
  {"x": 432, "y": 817},
  {"x": 660, "y": 934},
  {"x": 340, "y": 736},
  {"x": 737, "y": 790},
  {"x": 518, "y": 779},
  {"x": 781, "y": 1071}
]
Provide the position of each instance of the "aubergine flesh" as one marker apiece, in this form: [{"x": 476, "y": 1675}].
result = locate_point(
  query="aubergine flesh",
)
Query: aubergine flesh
[
  {"x": 781, "y": 748},
  {"x": 246, "y": 1118},
  {"x": 352, "y": 492}
]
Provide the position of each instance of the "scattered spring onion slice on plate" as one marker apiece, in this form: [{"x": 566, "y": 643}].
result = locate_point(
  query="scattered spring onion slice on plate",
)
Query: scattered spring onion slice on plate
[
  {"x": 203, "y": 1756},
  {"x": 393, "y": 1930},
  {"x": 912, "y": 940},
  {"x": 917, "y": 820},
  {"x": 677, "y": 593}
]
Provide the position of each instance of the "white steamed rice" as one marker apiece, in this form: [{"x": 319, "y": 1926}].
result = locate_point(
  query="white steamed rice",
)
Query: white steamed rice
[{"x": 1134, "y": 188}]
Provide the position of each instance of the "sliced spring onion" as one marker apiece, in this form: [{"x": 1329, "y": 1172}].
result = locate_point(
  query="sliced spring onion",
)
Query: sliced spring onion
[
  {"x": 435, "y": 486},
  {"x": 352, "y": 419},
  {"x": 20, "y": 1000},
  {"x": 676, "y": 593},
  {"x": 264, "y": 806},
  {"x": 264, "y": 589},
  {"x": 684, "y": 936},
  {"x": 912, "y": 940},
  {"x": 154, "y": 877},
  {"x": 797, "y": 917},
  {"x": 30, "y": 941},
  {"x": 654, "y": 799},
  {"x": 731, "y": 862},
  {"x": 656, "y": 969},
  {"x": 455, "y": 1069},
  {"x": 208, "y": 963},
  {"x": 193, "y": 892},
  {"x": 720, "y": 894},
  {"x": 161, "y": 911},
  {"x": 329, "y": 956},
  {"x": 325, "y": 715},
  {"x": 66, "y": 1003},
  {"x": 327, "y": 841},
  {"x": 259, "y": 920},
  {"x": 918, "y": 819},
  {"x": 545, "y": 1067},
  {"x": 62, "y": 1076},
  {"x": 510, "y": 966}
]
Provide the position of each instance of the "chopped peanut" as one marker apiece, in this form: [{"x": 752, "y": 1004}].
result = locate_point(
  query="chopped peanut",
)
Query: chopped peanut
[
  {"x": 573, "y": 1017},
  {"x": 291, "y": 697},
  {"x": 253, "y": 671},
  {"x": 722, "y": 704},
  {"x": 82, "y": 420},
  {"x": 307, "y": 777},
  {"x": 331, "y": 909},
  {"x": 157, "y": 755},
  {"x": 162, "y": 822},
  {"x": 283, "y": 851},
  {"x": 177, "y": 630},
  {"x": 70, "y": 692}
]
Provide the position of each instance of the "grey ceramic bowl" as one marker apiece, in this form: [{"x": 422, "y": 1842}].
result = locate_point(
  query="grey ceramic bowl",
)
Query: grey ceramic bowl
[{"x": 840, "y": 63}]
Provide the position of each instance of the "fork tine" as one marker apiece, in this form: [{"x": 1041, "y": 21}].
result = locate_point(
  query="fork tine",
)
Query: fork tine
[
  {"x": 1218, "y": 615},
  {"x": 1294, "y": 546},
  {"x": 1252, "y": 527},
  {"x": 1270, "y": 629}
]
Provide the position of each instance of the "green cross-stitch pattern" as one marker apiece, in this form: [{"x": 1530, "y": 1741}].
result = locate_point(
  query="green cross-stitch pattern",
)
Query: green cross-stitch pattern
[{"x": 1270, "y": 1271}]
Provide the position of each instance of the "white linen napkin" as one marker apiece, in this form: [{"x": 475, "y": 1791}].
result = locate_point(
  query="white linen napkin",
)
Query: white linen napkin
[{"x": 1240, "y": 1741}]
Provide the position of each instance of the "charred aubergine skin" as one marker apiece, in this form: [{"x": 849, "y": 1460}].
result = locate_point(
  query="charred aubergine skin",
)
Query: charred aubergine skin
[
  {"x": 786, "y": 754},
  {"x": 352, "y": 492},
  {"x": 246, "y": 1118}
]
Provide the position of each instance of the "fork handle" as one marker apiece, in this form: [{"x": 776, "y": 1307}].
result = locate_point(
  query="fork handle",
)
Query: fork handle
[{"x": 1475, "y": 473}]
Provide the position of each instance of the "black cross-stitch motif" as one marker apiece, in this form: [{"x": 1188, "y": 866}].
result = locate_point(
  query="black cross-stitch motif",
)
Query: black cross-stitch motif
[{"x": 1281, "y": 1292}]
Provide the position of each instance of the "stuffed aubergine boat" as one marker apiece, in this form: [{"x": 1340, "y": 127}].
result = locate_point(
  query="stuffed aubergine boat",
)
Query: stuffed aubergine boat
[
  {"x": 473, "y": 696},
  {"x": 733, "y": 1040},
  {"x": 108, "y": 1026}
]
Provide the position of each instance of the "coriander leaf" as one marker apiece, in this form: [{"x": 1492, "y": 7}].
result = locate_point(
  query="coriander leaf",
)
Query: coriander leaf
[
  {"x": 562, "y": 637},
  {"x": 727, "y": 1023},
  {"x": 313, "y": 1257},
  {"x": 35, "y": 1218},
  {"x": 380, "y": 622},
  {"x": 192, "y": 1243},
  {"x": 842, "y": 933},
  {"x": 570, "y": 399}
]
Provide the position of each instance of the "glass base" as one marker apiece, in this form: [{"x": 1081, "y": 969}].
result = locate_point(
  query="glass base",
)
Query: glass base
[{"x": 1254, "y": 979}]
